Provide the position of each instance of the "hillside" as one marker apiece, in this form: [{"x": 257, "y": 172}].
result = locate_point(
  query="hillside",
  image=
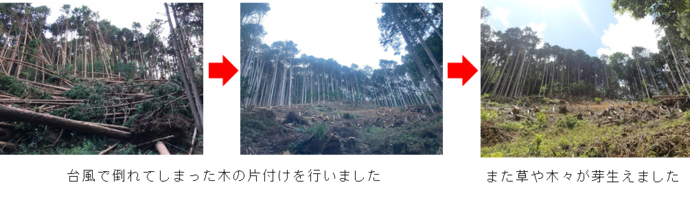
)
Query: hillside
[
  {"x": 572, "y": 127},
  {"x": 341, "y": 128}
]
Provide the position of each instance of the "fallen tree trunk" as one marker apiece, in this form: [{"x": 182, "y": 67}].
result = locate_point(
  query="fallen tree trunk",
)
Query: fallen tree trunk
[
  {"x": 15, "y": 114},
  {"x": 121, "y": 128},
  {"x": 46, "y": 85},
  {"x": 161, "y": 148},
  {"x": 7, "y": 125},
  {"x": 669, "y": 97},
  {"x": 7, "y": 144}
]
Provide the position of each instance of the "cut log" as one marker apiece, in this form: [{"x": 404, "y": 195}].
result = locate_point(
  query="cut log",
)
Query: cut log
[
  {"x": 7, "y": 144},
  {"x": 669, "y": 97},
  {"x": 7, "y": 125},
  {"x": 161, "y": 148},
  {"x": 15, "y": 114}
]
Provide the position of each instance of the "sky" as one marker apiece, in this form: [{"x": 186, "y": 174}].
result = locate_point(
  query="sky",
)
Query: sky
[
  {"x": 144, "y": 13},
  {"x": 345, "y": 31},
  {"x": 589, "y": 25}
]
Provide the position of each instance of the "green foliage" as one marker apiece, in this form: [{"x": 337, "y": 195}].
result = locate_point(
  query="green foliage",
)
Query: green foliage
[
  {"x": 650, "y": 101},
  {"x": 81, "y": 91},
  {"x": 486, "y": 96},
  {"x": 81, "y": 112},
  {"x": 541, "y": 118},
  {"x": 684, "y": 89},
  {"x": 569, "y": 122},
  {"x": 511, "y": 126},
  {"x": 488, "y": 115},
  {"x": 130, "y": 121},
  {"x": 18, "y": 88},
  {"x": 497, "y": 155},
  {"x": 551, "y": 101},
  {"x": 686, "y": 115},
  {"x": 582, "y": 87},
  {"x": 597, "y": 100},
  {"x": 563, "y": 143},
  {"x": 319, "y": 131},
  {"x": 543, "y": 89},
  {"x": 536, "y": 143}
]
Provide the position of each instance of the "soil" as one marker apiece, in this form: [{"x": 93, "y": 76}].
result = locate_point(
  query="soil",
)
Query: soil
[
  {"x": 180, "y": 127},
  {"x": 293, "y": 129}
]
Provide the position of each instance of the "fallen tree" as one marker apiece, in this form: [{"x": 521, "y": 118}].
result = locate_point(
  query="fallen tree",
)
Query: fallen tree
[{"x": 16, "y": 114}]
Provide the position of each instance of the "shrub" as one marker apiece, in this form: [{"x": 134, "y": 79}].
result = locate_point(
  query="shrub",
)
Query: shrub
[
  {"x": 511, "y": 126},
  {"x": 536, "y": 143},
  {"x": 650, "y": 101},
  {"x": 684, "y": 89},
  {"x": 597, "y": 100},
  {"x": 541, "y": 118},
  {"x": 569, "y": 122},
  {"x": 497, "y": 155},
  {"x": 564, "y": 143},
  {"x": 488, "y": 115},
  {"x": 319, "y": 131}
]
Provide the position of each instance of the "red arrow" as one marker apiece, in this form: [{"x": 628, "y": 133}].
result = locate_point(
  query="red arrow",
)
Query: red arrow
[
  {"x": 464, "y": 70},
  {"x": 224, "y": 70}
]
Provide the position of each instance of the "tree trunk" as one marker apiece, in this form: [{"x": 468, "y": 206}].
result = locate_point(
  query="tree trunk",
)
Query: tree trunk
[
  {"x": 429, "y": 20},
  {"x": 421, "y": 40},
  {"x": 290, "y": 90},
  {"x": 506, "y": 87},
  {"x": 26, "y": 36},
  {"x": 420, "y": 65},
  {"x": 190, "y": 99},
  {"x": 21, "y": 115},
  {"x": 639, "y": 71},
  {"x": 500, "y": 75}
]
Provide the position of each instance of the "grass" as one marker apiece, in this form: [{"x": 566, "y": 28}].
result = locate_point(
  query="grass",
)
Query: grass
[
  {"x": 405, "y": 139},
  {"x": 570, "y": 137}
]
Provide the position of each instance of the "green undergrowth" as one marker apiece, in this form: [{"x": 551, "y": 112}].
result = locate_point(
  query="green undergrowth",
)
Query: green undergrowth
[
  {"x": 98, "y": 101},
  {"x": 488, "y": 115},
  {"x": 419, "y": 137},
  {"x": 569, "y": 137},
  {"x": 253, "y": 127},
  {"x": 20, "y": 89}
]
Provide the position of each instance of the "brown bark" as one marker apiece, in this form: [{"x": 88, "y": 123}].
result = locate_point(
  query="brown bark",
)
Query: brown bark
[
  {"x": 16, "y": 114},
  {"x": 7, "y": 144},
  {"x": 181, "y": 66}
]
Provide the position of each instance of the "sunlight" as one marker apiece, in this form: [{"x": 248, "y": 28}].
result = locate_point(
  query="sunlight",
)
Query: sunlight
[{"x": 547, "y": 4}]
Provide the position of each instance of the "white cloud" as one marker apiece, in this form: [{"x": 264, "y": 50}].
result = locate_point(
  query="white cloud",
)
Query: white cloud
[
  {"x": 539, "y": 29},
  {"x": 627, "y": 33},
  {"x": 501, "y": 14}
]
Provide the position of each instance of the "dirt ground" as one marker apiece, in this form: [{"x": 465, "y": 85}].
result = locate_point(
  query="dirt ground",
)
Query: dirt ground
[{"x": 340, "y": 128}]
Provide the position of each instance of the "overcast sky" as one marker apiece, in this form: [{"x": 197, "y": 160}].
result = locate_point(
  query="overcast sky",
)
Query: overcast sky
[
  {"x": 589, "y": 25},
  {"x": 119, "y": 14},
  {"x": 345, "y": 31}
]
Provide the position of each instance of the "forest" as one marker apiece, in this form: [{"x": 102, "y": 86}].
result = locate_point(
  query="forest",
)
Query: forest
[
  {"x": 81, "y": 85},
  {"x": 313, "y": 105},
  {"x": 551, "y": 101}
]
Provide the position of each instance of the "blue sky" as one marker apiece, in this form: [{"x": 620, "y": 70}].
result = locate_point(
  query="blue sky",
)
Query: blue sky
[{"x": 589, "y": 25}]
